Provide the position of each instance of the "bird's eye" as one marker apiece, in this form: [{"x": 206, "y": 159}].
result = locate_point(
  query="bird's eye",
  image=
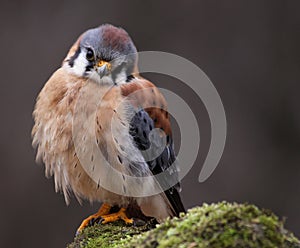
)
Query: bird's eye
[{"x": 90, "y": 55}]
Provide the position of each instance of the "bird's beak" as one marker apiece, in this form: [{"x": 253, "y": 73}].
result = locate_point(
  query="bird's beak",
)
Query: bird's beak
[{"x": 103, "y": 68}]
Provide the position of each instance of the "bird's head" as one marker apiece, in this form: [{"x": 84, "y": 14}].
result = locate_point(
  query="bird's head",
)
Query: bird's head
[{"x": 105, "y": 54}]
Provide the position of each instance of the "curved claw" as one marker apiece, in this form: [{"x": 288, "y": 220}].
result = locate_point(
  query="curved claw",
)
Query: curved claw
[
  {"x": 103, "y": 217},
  {"x": 91, "y": 220},
  {"x": 117, "y": 216}
]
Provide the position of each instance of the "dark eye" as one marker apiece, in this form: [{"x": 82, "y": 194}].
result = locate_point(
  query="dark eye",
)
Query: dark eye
[{"x": 90, "y": 55}]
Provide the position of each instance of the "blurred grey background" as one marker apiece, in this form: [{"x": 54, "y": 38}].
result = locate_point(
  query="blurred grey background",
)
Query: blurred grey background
[{"x": 250, "y": 51}]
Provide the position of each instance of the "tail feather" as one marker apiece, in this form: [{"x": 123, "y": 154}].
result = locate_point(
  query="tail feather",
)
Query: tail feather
[{"x": 175, "y": 201}]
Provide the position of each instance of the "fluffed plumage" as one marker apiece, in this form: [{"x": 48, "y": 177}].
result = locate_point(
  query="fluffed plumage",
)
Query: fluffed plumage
[{"x": 95, "y": 66}]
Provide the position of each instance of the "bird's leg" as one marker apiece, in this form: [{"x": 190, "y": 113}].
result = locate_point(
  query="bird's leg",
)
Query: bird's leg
[
  {"x": 103, "y": 210},
  {"x": 121, "y": 214}
]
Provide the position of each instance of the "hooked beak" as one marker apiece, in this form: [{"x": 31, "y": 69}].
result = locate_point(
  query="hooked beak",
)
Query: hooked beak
[{"x": 103, "y": 68}]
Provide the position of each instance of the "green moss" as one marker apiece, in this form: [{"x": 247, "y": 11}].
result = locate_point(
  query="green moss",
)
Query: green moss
[
  {"x": 217, "y": 226},
  {"x": 108, "y": 235}
]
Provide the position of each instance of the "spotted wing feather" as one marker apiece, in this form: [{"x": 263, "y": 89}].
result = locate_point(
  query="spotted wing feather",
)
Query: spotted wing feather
[{"x": 141, "y": 126}]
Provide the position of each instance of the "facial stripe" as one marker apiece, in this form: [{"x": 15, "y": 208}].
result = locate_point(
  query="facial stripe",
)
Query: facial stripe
[
  {"x": 129, "y": 78},
  {"x": 74, "y": 57},
  {"x": 89, "y": 67}
]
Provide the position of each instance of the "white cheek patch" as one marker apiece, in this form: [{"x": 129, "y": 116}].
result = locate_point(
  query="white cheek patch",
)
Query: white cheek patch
[
  {"x": 79, "y": 68},
  {"x": 80, "y": 64},
  {"x": 121, "y": 77}
]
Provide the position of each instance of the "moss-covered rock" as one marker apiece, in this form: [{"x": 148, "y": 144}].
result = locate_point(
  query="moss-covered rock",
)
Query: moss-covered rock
[{"x": 216, "y": 226}]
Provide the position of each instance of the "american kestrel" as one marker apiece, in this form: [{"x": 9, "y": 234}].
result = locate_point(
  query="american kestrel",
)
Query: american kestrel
[{"x": 103, "y": 64}]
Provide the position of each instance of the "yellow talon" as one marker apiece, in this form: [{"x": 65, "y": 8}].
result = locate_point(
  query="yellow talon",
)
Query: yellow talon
[
  {"x": 104, "y": 210},
  {"x": 105, "y": 217},
  {"x": 116, "y": 216}
]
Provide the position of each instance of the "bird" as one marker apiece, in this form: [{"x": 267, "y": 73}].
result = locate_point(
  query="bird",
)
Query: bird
[{"x": 103, "y": 64}]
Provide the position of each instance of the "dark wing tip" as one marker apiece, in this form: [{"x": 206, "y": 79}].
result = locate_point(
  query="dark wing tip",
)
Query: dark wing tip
[
  {"x": 140, "y": 128},
  {"x": 175, "y": 201}
]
